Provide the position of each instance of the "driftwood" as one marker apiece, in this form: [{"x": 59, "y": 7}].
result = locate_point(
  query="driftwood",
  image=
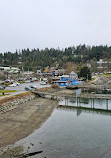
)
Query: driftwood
[{"x": 29, "y": 154}]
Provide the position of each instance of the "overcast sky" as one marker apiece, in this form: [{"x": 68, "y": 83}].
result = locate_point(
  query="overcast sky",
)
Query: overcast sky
[{"x": 54, "y": 23}]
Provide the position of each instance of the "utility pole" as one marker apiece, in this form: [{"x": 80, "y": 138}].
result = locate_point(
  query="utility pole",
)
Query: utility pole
[{"x": 23, "y": 73}]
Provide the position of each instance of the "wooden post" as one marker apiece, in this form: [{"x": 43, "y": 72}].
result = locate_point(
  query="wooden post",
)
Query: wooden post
[
  {"x": 106, "y": 104},
  {"x": 77, "y": 101},
  {"x": 93, "y": 103},
  {"x": 65, "y": 100}
]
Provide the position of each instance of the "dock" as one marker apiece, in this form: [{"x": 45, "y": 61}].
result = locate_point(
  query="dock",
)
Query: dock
[
  {"x": 59, "y": 96},
  {"x": 67, "y": 97}
]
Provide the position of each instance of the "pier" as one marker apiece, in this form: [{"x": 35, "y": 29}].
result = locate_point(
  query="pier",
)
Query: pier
[
  {"x": 66, "y": 97},
  {"x": 59, "y": 96}
]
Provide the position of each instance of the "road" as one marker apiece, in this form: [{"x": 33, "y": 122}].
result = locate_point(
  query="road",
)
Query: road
[
  {"x": 12, "y": 94},
  {"x": 22, "y": 86}
]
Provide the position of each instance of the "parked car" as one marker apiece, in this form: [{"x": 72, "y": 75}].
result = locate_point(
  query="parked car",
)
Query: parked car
[
  {"x": 2, "y": 88},
  {"x": 33, "y": 86},
  {"x": 36, "y": 80},
  {"x": 43, "y": 83},
  {"x": 31, "y": 81},
  {"x": 28, "y": 88},
  {"x": 7, "y": 81},
  {"x": 13, "y": 85},
  {"x": 1, "y": 81},
  {"x": 20, "y": 79},
  {"x": 17, "y": 83},
  {"x": 28, "y": 81}
]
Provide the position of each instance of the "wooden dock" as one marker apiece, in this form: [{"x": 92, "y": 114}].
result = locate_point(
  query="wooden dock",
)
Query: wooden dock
[
  {"x": 57, "y": 96},
  {"x": 66, "y": 98}
]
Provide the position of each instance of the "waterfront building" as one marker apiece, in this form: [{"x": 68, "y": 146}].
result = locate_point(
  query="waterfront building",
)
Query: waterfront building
[
  {"x": 10, "y": 69},
  {"x": 67, "y": 80}
]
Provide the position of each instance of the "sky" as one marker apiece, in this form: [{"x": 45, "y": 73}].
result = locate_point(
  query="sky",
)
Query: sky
[{"x": 54, "y": 23}]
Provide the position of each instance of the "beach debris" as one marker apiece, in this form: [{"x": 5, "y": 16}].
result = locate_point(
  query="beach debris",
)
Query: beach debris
[
  {"x": 32, "y": 144},
  {"x": 29, "y": 154}
]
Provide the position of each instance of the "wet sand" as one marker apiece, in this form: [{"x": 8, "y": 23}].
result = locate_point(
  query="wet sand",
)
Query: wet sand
[{"x": 23, "y": 120}]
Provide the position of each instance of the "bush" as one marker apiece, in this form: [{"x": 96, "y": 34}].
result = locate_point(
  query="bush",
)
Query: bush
[
  {"x": 55, "y": 86},
  {"x": 50, "y": 80}
]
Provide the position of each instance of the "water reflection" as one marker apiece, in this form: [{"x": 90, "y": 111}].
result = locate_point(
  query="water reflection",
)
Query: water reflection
[
  {"x": 104, "y": 104},
  {"x": 79, "y": 110},
  {"x": 73, "y": 132},
  {"x": 65, "y": 135}
]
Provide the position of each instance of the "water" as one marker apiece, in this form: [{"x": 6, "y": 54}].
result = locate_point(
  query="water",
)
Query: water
[
  {"x": 88, "y": 103},
  {"x": 69, "y": 135}
]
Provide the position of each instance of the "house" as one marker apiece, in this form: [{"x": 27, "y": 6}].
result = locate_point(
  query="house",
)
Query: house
[
  {"x": 10, "y": 69},
  {"x": 63, "y": 80},
  {"x": 67, "y": 80},
  {"x": 73, "y": 75}
]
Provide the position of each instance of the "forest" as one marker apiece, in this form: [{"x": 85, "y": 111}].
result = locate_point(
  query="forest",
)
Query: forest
[{"x": 38, "y": 59}]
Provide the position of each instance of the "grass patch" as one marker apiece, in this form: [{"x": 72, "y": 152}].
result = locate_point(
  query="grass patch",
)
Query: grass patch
[
  {"x": 93, "y": 79},
  {"x": 11, "y": 98},
  {"x": 21, "y": 82},
  {"x": 6, "y": 91},
  {"x": 3, "y": 95},
  {"x": 106, "y": 75},
  {"x": 6, "y": 84}
]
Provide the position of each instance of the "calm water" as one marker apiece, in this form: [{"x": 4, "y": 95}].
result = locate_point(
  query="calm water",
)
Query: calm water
[
  {"x": 85, "y": 102},
  {"x": 72, "y": 133}
]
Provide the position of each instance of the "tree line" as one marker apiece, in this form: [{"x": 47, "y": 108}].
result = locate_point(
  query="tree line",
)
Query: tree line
[{"x": 38, "y": 59}]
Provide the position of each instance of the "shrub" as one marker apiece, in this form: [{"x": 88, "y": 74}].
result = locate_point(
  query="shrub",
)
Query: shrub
[{"x": 55, "y": 86}]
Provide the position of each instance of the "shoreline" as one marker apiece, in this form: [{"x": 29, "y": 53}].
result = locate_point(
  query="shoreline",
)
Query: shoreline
[
  {"x": 24, "y": 116},
  {"x": 23, "y": 120}
]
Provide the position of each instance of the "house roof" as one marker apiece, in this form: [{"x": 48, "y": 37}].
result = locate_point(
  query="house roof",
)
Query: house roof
[
  {"x": 65, "y": 76},
  {"x": 72, "y": 73},
  {"x": 10, "y": 69}
]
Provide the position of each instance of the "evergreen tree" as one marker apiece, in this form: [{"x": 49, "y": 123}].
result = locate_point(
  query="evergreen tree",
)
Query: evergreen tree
[{"x": 85, "y": 73}]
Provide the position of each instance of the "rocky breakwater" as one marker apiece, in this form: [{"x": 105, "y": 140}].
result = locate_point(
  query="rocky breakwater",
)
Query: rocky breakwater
[
  {"x": 17, "y": 102},
  {"x": 20, "y": 116}
]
